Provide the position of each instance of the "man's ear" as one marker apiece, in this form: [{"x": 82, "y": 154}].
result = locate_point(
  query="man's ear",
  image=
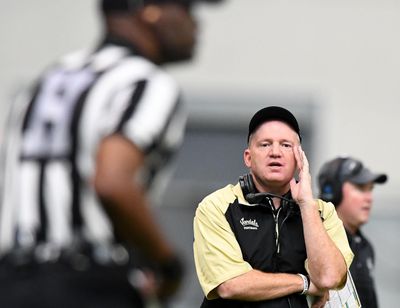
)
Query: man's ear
[
  {"x": 247, "y": 158},
  {"x": 151, "y": 14}
]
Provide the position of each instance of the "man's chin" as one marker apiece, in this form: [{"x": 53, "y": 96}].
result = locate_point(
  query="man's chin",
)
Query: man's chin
[
  {"x": 277, "y": 178},
  {"x": 173, "y": 57}
]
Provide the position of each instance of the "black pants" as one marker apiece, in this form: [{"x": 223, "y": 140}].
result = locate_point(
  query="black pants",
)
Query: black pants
[{"x": 54, "y": 285}]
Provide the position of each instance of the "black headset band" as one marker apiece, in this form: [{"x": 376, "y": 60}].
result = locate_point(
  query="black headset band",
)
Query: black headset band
[{"x": 332, "y": 183}]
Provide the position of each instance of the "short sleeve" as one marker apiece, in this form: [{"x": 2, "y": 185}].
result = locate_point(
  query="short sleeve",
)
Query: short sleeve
[
  {"x": 217, "y": 254},
  {"x": 154, "y": 114},
  {"x": 335, "y": 229}
]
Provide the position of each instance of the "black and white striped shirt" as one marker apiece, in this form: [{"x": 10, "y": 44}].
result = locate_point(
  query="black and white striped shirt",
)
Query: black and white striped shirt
[{"x": 51, "y": 146}]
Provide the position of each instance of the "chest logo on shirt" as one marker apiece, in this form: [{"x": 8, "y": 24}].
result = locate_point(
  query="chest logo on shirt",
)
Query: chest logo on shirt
[{"x": 249, "y": 224}]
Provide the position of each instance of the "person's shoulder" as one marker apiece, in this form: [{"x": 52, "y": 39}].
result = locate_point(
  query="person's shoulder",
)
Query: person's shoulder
[
  {"x": 324, "y": 205},
  {"x": 216, "y": 203},
  {"x": 162, "y": 76},
  {"x": 74, "y": 59},
  {"x": 68, "y": 62},
  {"x": 153, "y": 73},
  {"x": 222, "y": 196},
  {"x": 325, "y": 208}
]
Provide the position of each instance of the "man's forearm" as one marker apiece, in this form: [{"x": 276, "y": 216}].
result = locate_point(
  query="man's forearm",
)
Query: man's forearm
[
  {"x": 326, "y": 264},
  {"x": 256, "y": 285}
]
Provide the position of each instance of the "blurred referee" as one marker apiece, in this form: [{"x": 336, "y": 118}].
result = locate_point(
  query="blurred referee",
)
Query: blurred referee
[{"x": 83, "y": 150}]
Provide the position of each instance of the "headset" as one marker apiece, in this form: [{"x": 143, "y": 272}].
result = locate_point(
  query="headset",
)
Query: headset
[
  {"x": 332, "y": 176},
  {"x": 247, "y": 185},
  {"x": 251, "y": 194}
]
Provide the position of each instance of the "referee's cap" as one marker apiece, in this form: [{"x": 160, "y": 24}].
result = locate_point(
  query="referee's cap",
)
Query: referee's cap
[
  {"x": 273, "y": 113},
  {"x": 115, "y": 6}
]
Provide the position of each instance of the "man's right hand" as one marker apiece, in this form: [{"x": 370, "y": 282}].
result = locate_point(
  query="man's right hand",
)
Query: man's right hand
[{"x": 319, "y": 296}]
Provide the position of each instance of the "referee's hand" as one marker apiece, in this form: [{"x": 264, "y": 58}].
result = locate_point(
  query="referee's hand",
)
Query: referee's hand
[{"x": 169, "y": 275}]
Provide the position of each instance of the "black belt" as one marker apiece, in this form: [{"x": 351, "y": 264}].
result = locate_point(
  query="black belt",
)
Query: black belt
[{"x": 77, "y": 258}]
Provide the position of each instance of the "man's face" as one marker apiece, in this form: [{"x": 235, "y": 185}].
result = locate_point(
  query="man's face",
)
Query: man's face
[
  {"x": 270, "y": 155},
  {"x": 176, "y": 30},
  {"x": 356, "y": 204}
]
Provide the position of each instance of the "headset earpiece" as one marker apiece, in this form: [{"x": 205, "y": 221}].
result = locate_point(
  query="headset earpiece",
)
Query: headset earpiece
[
  {"x": 328, "y": 192},
  {"x": 334, "y": 174},
  {"x": 330, "y": 183},
  {"x": 247, "y": 185}
]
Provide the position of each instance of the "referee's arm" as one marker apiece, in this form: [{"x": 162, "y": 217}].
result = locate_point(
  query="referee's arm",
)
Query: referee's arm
[{"x": 125, "y": 201}]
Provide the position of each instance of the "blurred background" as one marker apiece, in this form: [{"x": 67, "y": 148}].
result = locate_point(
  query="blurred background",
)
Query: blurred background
[{"x": 334, "y": 64}]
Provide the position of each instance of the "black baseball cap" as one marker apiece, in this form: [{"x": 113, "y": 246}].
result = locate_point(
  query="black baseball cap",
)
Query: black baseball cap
[
  {"x": 119, "y": 6},
  {"x": 273, "y": 113}
]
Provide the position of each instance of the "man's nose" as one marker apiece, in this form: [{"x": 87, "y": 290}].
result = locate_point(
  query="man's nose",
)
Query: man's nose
[
  {"x": 369, "y": 196},
  {"x": 275, "y": 149}
]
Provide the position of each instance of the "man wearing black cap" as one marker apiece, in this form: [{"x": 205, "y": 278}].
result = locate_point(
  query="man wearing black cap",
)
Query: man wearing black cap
[
  {"x": 346, "y": 183},
  {"x": 266, "y": 242},
  {"x": 86, "y": 148}
]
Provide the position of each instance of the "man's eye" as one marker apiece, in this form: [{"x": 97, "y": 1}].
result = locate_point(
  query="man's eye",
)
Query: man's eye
[
  {"x": 265, "y": 144},
  {"x": 287, "y": 145}
]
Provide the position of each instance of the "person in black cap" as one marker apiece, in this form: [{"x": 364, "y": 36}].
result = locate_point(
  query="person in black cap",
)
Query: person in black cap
[
  {"x": 348, "y": 184},
  {"x": 266, "y": 242},
  {"x": 86, "y": 150}
]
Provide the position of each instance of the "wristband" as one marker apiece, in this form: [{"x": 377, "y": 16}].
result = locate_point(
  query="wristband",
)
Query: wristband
[{"x": 306, "y": 284}]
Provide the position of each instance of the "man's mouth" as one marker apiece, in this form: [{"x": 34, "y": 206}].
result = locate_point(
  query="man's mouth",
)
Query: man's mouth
[{"x": 275, "y": 164}]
